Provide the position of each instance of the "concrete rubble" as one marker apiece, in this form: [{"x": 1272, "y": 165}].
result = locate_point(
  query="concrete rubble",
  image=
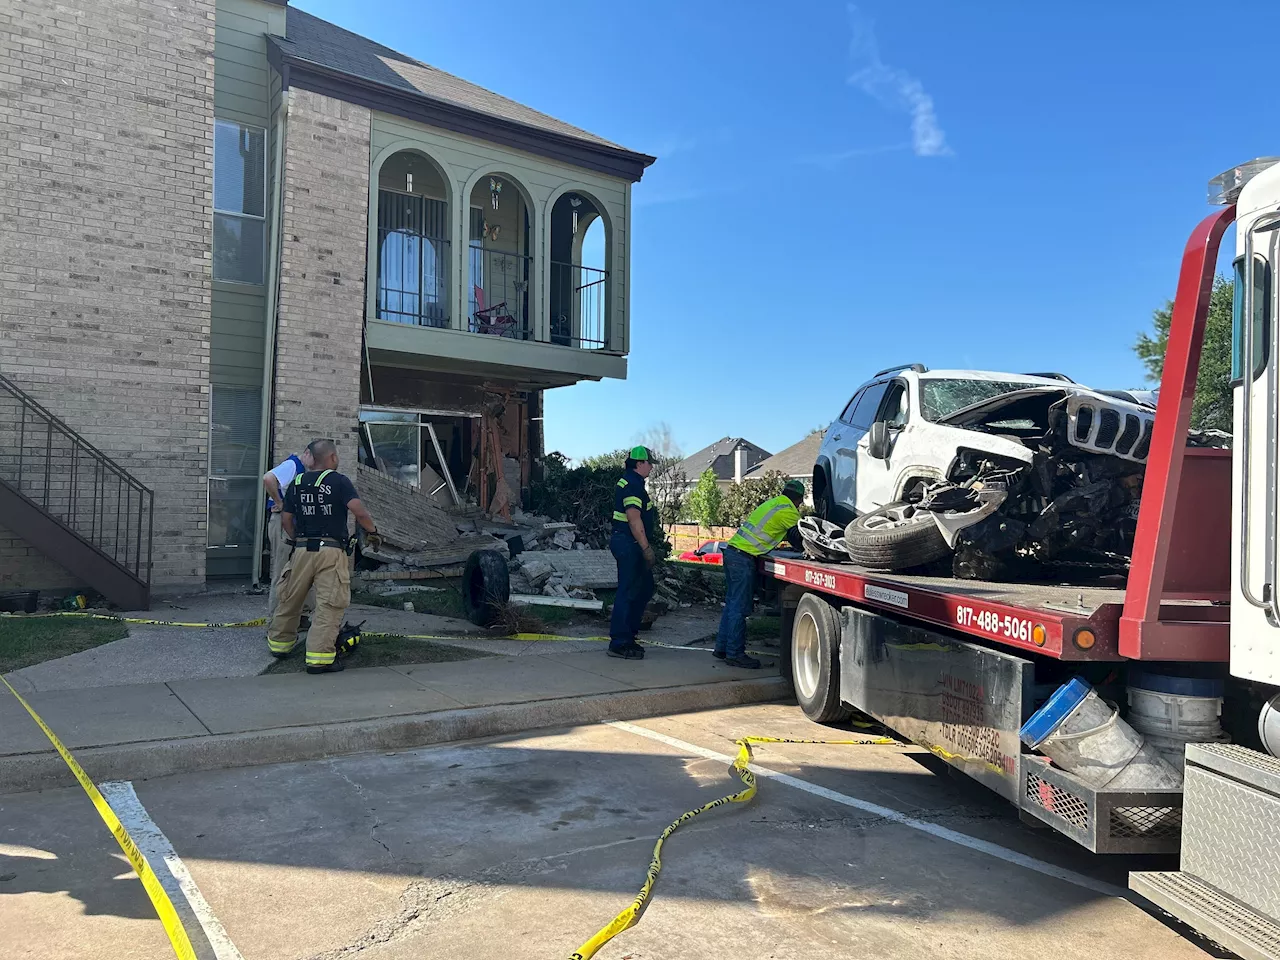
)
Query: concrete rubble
[{"x": 425, "y": 538}]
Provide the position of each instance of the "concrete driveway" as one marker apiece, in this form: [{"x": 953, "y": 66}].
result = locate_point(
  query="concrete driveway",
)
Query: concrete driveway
[{"x": 525, "y": 846}]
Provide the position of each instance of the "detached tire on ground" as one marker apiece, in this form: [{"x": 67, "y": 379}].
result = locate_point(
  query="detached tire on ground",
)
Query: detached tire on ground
[
  {"x": 898, "y": 536},
  {"x": 486, "y": 586},
  {"x": 815, "y": 660}
]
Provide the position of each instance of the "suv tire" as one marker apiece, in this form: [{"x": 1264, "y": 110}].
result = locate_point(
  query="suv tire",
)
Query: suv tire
[
  {"x": 898, "y": 536},
  {"x": 486, "y": 586}
]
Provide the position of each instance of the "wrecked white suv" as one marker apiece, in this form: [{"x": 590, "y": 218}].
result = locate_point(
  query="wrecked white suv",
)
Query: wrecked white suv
[{"x": 999, "y": 470}]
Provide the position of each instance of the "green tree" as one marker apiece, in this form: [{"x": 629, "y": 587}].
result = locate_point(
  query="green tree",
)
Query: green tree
[
  {"x": 1211, "y": 409},
  {"x": 704, "y": 501},
  {"x": 741, "y": 498},
  {"x": 613, "y": 460}
]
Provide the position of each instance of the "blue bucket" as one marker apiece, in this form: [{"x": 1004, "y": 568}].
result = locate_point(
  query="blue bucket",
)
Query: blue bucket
[{"x": 1057, "y": 708}]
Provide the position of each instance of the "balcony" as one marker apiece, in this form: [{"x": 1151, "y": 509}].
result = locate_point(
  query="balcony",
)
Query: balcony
[{"x": 516, "y": 315}]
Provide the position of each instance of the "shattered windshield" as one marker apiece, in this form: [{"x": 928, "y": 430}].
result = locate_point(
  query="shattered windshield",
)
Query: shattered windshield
[{"x": 941, "y": 398}]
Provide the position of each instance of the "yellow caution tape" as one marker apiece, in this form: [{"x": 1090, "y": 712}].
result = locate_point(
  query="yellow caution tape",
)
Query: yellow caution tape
[
  {"x": 741, "y": 768},
  {"x": 150, "y": 882},
  {"x": 261, "y": 621}
]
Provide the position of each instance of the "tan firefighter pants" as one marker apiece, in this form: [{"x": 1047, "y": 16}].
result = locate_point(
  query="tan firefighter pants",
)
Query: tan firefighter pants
[
  {"x": 279, "y": 557},
  {"x": 329, "y": 571}
]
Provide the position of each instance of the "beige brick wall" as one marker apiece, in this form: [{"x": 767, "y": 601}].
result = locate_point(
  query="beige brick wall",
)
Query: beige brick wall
[
  {"x": 105, "y": 207},
  {"x": 322, "y": 274}
]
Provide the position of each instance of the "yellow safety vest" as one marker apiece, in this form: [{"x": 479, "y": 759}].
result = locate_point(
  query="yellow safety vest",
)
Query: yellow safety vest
[{"x": 767, "y": 526}]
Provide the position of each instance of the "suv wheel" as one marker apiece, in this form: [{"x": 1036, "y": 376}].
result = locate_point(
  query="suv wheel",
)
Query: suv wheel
[
  {"x": 822, "y": 501},
  {"x": 898, "y": 536}
]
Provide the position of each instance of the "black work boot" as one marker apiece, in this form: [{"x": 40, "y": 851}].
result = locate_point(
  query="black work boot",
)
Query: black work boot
[
  {"x": 337, "y": 667},
  {"x": 744, "y": 661},
  {"x": 719, "y": 654},
  {"x": 632, "y": 652}
]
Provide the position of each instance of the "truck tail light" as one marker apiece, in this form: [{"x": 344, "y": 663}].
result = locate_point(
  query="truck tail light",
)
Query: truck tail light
[{"x": 1084, "y": 638}]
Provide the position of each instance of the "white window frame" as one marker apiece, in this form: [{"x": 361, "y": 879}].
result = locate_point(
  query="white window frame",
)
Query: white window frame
[{"x": 240, "y": 215}]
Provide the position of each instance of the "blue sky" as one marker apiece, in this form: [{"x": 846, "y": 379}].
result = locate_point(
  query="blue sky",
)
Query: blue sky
[{"x": 1002, "y": 185}]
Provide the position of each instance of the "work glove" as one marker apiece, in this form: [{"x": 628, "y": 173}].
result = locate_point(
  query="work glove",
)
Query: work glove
[
  {"x": 650, "y": 557},
  {"x": 373, "y": 541}
]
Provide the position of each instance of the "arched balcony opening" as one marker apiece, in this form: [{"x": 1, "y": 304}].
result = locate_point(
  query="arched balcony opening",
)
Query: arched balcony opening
[
  {"x": 499, "y": 261},
  {"x": 579, "y": 289},
  {"x": 414, "y": 256}
]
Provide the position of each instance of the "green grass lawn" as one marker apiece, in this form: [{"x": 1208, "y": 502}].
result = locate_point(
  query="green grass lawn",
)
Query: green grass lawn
[
  {"x": 386, "y": 652},
  {"x": 24, "y": 642},
  {"x": 447, "y": 602},
  {"x": 444, "y": 602},
  {"x": 764, "y": 628}
]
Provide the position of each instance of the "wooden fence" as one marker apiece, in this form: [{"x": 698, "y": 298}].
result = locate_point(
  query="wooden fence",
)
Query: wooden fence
[{"x": 689, "y": 536}]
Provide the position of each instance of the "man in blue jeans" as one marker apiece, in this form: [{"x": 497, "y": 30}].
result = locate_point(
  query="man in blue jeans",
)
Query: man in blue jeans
[
  {"x": 767, "y": 526},
  {"x": 634, "y": 521}
]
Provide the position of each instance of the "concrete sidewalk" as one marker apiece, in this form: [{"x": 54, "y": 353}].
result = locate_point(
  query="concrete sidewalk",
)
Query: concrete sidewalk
[
  {"x": 159, "y": 654},
  {"x": 155, "y": 729}
]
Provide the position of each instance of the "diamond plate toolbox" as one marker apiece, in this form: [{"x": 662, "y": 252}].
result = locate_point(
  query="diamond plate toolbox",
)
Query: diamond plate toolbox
[{"x": 1231, "y": 823}]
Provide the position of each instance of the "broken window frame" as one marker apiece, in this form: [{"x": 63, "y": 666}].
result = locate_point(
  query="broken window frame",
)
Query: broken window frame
[{"x": 371, "y": 415}]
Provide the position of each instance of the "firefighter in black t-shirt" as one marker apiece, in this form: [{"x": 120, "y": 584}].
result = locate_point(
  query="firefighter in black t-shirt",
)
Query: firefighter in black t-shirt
[{"x": 315, "y": 521}]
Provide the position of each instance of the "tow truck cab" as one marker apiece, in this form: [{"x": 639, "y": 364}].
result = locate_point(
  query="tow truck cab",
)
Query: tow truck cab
[{"x": 960, "y": 666}]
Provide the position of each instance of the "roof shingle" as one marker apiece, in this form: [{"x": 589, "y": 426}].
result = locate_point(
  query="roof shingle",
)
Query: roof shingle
[
  {"x": 796, "y": 460},
  {"x": 328, "y": 45},
  {"x": 718, "y": 457}
]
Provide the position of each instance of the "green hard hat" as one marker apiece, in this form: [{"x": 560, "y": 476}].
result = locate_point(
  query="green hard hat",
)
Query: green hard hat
[
  {"x": 794, "y": 486},
  {"x": 639, "y": 454}
]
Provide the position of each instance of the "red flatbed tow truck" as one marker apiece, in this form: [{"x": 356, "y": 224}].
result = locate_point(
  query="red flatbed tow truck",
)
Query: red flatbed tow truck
[{"x": 959, "y": 666}]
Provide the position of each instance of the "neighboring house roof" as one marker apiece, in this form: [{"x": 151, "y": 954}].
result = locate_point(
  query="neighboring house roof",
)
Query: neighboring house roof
[
  {"x": 314, "y": 48},
  {"x": 719, "y": 457},
  {"x": 795, "y": 461}
]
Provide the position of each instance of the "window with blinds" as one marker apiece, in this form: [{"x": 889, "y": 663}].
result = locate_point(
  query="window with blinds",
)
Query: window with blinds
[
  {"x": 235, "y": 419},
  {"x": 239, "y": 202}
]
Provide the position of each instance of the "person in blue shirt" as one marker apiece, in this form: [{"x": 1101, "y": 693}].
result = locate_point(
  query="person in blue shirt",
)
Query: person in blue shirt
[
  {"x": 275, "y": 482},
  {"x": 631, "y": 543}
]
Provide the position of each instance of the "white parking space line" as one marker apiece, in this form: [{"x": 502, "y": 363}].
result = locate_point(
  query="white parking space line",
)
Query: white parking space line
[
  {"x": 171, "y": 871},
  {"x": 924, "y": 826}
]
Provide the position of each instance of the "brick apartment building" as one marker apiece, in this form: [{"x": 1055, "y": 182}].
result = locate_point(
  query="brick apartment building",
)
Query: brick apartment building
[{"x": 229, "y": 227}]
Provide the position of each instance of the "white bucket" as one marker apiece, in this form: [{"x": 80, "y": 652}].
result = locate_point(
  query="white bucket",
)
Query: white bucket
[
  {"x": 1170, "y": 721},
  {"x": 1173, "y": 712},
  {"x": 1093, "y": 743}
]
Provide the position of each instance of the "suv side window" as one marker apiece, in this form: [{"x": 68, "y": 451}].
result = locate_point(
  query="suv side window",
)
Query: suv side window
[
  {"x": 895, "y": 410},
  {"x": 864, "y": 414},
  {"x": 847, "y": 415}
]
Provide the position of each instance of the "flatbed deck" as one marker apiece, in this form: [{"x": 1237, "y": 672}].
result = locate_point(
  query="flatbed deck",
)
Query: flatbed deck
[{"x": 1042, "y": 618}]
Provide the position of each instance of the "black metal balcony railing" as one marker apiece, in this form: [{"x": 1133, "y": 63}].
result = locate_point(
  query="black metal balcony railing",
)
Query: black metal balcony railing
[
  {"x": 500, "y": 293},
  {"x": 414, "y": 260},
  {"x": 73, "y": 482},
  {"x": 579, "y": 300}
]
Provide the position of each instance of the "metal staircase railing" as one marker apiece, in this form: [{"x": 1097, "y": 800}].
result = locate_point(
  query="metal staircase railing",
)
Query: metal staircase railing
[{"x": 56, "y": 470}]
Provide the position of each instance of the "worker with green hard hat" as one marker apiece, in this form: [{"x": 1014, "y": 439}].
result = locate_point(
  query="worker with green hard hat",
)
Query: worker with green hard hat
[
  {"x": 764, "y": 530},
  {"x": 632, "y": 546}
]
